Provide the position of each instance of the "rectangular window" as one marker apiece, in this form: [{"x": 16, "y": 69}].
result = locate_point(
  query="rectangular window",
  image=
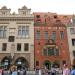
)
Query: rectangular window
[
  {"x": 4, "y": 46},
  {"x": 61, "y": 35},
  {"x": 56, "y": 52},
  {"x": 18, "y": 46},
  {"x": 64, "y": 62},
  {"x": 50, "y": 51},
  {"x": 72, "y": 30},
  {"x": 3, "y": 30},
  {"x": 46, "y": 34},
  {"x": 45, "y": 52},
  {"x": 37, "y": 34},
  {"x": 26, "y": 47},
  {"x": 11, "y": 38},
  {"x": 37, "y": 16},
  {"x": 37, "y": 63},
  {"x": 74, "y": 53},
  {"x": 73, "y": 42},
  {"x": 54, "y": 35},
  {"x": 23, "y": 31}
]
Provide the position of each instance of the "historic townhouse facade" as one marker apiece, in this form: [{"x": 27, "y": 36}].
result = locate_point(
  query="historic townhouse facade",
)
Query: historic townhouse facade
[
  {"x": 50, "y": 41},
  {"x": 17, "y": 38},
  {"x": 71, "y": 39}
]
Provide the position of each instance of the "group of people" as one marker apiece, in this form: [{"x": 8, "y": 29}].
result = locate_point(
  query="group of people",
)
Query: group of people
[
  {"x": 14, "y": 71},
  {"x": 67, "y": 71}
]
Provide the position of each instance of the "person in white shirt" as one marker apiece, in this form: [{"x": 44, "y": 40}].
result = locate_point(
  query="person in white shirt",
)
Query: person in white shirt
[{"x": 66, "y": 70}]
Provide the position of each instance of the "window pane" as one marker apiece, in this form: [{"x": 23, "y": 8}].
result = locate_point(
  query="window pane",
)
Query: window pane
[
  {"x": 19, "y": 32},
  {"x": 37, "y": 63},
  {"x": 74, "y": 53},
  {"x": 4, "y": 46},
  {"x": 45, "y": 52},
  {"x": 23, "y": 31},
  {"x": 73, "y": 42},
  {"x": 38, "y": 35},
  {"x": 19, "y": 47},
  {"x": 11, "y": 39},
  {"x": 46, "y": 34},
  {"x": 53, "y": 35},
  {"x": 3, "y": 30},
  {"x": 72, "y": 30},
  {"x": 26, "y": 47},
  {"x": 61, "y": 35},
  {"x": 50, "y": 51},
  {"x": 4, "y": 34},
  {"x": 56, "y": 51},
  {"x": 1, "y": 33}
]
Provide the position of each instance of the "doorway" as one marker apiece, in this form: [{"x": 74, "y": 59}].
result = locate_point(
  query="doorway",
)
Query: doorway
[{"x": 47, "y": 64}]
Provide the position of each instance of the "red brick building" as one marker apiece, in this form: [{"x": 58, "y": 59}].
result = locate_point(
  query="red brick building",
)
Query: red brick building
[{"x": 51, "y": 43}]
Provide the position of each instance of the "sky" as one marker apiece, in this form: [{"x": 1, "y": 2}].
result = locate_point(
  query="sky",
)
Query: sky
[{"x": 54, "y": 6}]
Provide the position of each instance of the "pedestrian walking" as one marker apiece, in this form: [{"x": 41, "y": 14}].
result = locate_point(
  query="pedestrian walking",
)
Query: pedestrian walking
[
  {"x": 73, "y": 70},
  {"x": 1, "y": 71},
  {"x": 66, "y": 70},
  {"x": 53, "y": 71},
  {"x": 14, "y": 72},
  {"x": 24, "y": 71}
]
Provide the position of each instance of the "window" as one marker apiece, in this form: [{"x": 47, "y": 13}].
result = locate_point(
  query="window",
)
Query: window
[
  {"x": 11, "y": 38},
  {"x": 55, "y": 16},
  {"x": 4, "y": 46},
  {"x": 37, "y": 63},
  {"x": 38, "y": 19},
  {"x": 45, "y": 52},
  {"x": 23, "y": 31},
  {"x": 54, "y": 35},
  {"x": 64, "y": 62},
  {"x": 72, "y": 30},
  {"x": 73, "y": 42},
  {"x": 37, "y": 16},
  {"x": 74, "y": 53},
  {"x": 26, "y": 47},
  {"x": 37, "y": 34},
  {"x": 46, "y": 34},
  {"x": 18, "y": 46},
  {"x": 50, "y": 51},
  {"x": 61, "y": 35},
  {"x": 56, "y": 52},
  {"x": 3, "y": 30}
]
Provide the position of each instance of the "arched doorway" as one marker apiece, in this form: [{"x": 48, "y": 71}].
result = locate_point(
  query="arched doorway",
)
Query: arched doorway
[
  {"x": 21, "y": 63},
  {"x": 6, "y": 62},
  {"x": 47, "y": 64}
]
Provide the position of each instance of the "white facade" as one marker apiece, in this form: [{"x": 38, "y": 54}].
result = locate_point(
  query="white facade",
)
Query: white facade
[
  {"x": 19, "y": 27},
  {"x": 71, "y": 40}
]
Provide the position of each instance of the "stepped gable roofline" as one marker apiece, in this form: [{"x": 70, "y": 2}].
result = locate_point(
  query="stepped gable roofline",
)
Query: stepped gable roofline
[{"x": 24, "y": 8}]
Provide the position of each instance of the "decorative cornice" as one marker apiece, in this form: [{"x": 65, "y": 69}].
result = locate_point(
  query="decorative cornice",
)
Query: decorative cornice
[{"x": 16, "y": 18}]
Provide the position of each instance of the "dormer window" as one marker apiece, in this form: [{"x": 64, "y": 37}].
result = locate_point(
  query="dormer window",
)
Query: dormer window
[
  {"x": 55, "y": 16},
  {"x": 37, "y": 16}
]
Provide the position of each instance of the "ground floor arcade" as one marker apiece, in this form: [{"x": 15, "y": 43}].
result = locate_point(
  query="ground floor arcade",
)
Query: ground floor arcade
[{"x": 19, "y": 60}]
